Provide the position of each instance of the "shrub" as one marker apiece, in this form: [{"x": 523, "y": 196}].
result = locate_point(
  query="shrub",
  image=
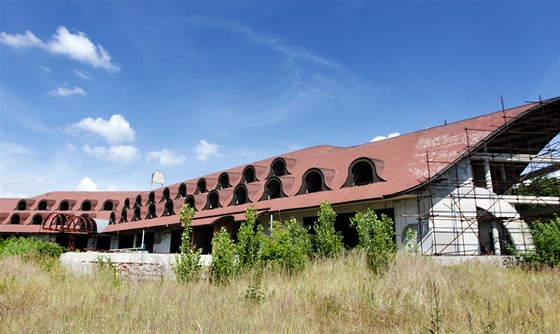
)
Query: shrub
[
  {"x": 376, "y": 237},
  {"x": 249, "y": 241},
  {"x": 29, "y": 248},
  {"x": 224, "y": 258},
  {"x": 288, "y": 247},
  {"x": 326, "y": 241},
  {"x": 546, "y": 239},
  {"x": 187, "y": 267}
]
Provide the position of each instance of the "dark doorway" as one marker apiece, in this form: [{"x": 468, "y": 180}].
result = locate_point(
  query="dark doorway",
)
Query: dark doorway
[{"x": 175, "y": 241}]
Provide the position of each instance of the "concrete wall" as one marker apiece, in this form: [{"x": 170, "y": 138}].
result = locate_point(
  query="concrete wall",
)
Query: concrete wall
[{"x": 129, "y": 266}]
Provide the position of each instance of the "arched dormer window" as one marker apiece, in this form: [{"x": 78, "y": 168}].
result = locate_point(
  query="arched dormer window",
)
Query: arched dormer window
[
  {"x": 15, "y": 220},
  {"x": 86, "y": 206},
  {"x": 273, "y": 189},
  {"x": 112, "y": 218},
  {"x": 313, "y": 181},
  {"x": 108, "y": 205},
  {"x": 190, "y": 201},
  {"x": 64, "y": 206},
  {"x": 152, "y": 198},
  {"x": 201, "y": 186},
  {"x": 22, "y": 205},
  {"x": 124, "y": 216},
  {"x": 168, "y": 210},
  {"x": 165, "y": 195},
  {"x": 61, "y": 220},
  {"x": 213, "y": 200},
  {"x": 42, "y": 206},
  {"x": 240, "y": 195},
  {"x": 136, "y": 215},
  {"x": 37, "y": 220},
  {"x": 278, "y": 167},
  {"x": 249, "y": 174},
  {"x": 126, "y": 203},
  {"x": 138, "y": 202},
  {"x": 223, "y": 181},
  {"x": 182, "y": 191},
  {"x": 360, "y": 172},
  {"x": 151, "y": 212}
]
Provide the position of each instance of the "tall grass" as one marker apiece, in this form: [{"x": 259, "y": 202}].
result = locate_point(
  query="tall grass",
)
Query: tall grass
[{"x": 329, "y": 296}]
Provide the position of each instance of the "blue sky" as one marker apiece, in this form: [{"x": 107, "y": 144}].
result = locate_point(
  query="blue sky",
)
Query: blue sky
[{"x": 98, "y": 95}]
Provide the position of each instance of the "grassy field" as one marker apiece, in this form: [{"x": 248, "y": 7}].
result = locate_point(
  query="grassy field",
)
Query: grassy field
[{"x": 330, "y": 296}]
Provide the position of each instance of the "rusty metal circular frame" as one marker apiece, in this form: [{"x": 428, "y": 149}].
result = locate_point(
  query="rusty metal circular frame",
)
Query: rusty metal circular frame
[{"x": 69, "y": 223}]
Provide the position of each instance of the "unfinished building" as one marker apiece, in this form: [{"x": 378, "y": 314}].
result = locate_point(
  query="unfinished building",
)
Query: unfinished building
[{"x": 453, "y": 184}]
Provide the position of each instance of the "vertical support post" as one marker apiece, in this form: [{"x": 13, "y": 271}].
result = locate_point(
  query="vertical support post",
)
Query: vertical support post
[
  {"x": 487, "y": 173},
  {"x": 142, "y": 245},
  {"x": 496, "y": 238}
]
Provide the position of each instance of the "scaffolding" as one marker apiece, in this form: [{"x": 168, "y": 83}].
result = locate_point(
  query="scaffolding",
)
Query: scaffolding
[{"x": 472, "y": 210}]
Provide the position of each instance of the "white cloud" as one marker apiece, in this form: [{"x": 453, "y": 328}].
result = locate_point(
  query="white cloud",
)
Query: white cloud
[
  {"x": 82, "y": 74},
  {"x": 21, "y": 41},
  {"x": 64, "y": 92},
  {"x": 115, "y": 153},
  {"x": 391, "y": 135},
  {"x": 204, "y": 150},
  {"x": 87, "y": 184},
  {"x": 165, "y": 157},
  {"x": 75, "y": 46},
  {"x": 116, "y": 130}
]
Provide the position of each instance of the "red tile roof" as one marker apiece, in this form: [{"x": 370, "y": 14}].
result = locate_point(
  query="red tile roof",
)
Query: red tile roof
[{"x": 401, "y": 162}]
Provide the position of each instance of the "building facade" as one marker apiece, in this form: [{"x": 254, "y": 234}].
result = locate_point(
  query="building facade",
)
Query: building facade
[{"x": 454, "y": 185}]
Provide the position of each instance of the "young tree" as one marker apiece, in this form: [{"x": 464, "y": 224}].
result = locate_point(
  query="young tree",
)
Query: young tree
[
  {"x": 225, "y": 264},
  {"x": 249, "y": 241},
  {"x": 187, "y": 267},
  {"x": 326, "y": 241},
  {"x": 376, "y": 237}
]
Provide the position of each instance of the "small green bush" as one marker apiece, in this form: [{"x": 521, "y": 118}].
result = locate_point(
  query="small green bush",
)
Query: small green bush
[
  {"x": 225, "y": 263},
  {"x": 288, "y": 247},
  {"x": 546, "y": 239},
  {"x": 187, "y": 267},
  {"x": 376, "y": 237},
  {"x": 326, "y": 241}
]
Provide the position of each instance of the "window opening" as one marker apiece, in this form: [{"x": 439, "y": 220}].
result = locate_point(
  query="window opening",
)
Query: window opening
[
  {"x": 108, "y": 206},
  {"x": 15, "y": 220},
  {"x": 151, "y": 211},
  {"x": 136, "y": 215},
  {"x": 240, "y": 195},
  {"x": 273, "y": 189},
  {"x": 249, "y": 175},
  {"x": 279, "y": 168},
  {"x": 213, "y": 200},
  {"x": 86, "y": 206},
  {"x": 223, "y": 182},
  {"x": 42, "y": 206},
  {"x": 168, "y": 211},
  {"x": 37, "y": 220},
  {"x": 64, "y": 206},
  {"x": 190, "y": 202},
  {"x": 182, "y": 191},
  {"x": 313, "y": 182},
  {"x": 362, "y": 173},
  {"x": 22, "y": 205},
  {"x": 151, "y": 198},
  {"x": 138, "y": 202},
  {"x": 201, "y": 186}
]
